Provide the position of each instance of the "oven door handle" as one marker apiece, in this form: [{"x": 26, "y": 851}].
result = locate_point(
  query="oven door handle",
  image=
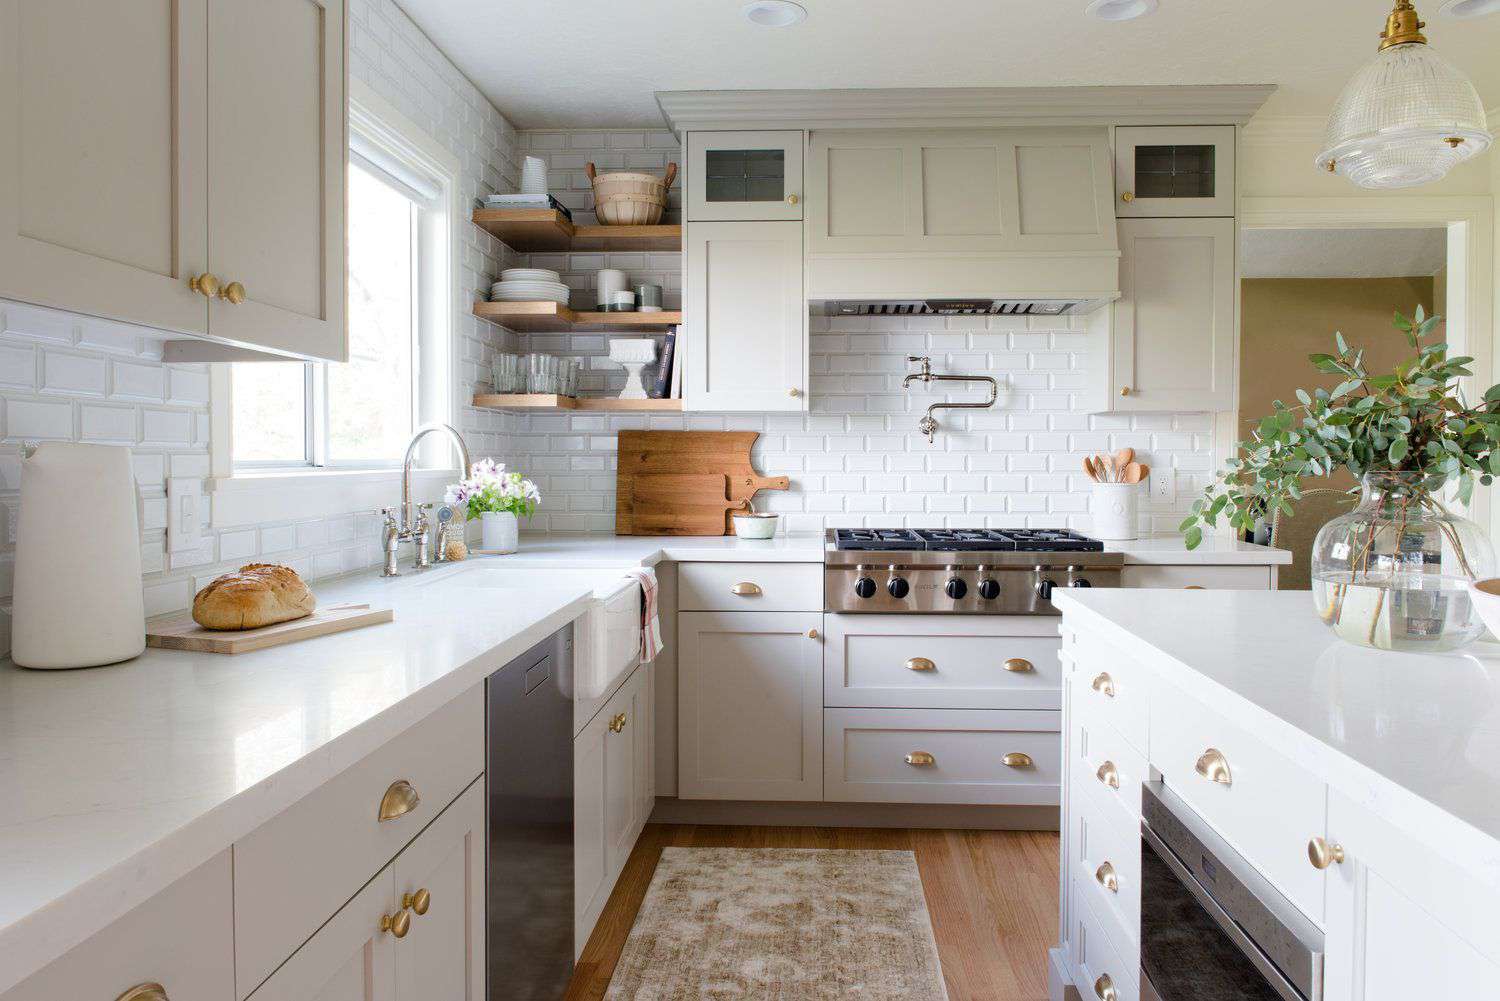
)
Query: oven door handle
[{"x": 1244, "y": 943}]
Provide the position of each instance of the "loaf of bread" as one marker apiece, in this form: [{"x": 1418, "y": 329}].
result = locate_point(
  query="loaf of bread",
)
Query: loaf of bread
[{"x": 259, "y": 594}]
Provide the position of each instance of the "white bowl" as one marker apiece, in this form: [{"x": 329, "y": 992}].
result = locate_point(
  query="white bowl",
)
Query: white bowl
[
  {"x": 1485, "y": 594},
  {"x": 755, "y": 526}
]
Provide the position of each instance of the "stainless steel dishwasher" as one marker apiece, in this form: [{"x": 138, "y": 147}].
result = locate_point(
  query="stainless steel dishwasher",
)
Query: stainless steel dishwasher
[{"x": 529, "y": 774}]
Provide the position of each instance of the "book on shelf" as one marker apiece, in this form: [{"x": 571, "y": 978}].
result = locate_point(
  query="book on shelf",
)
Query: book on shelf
[
  {"x": 663, "y": 384},
  {"x": 526, "y": 202},
  {"x": 675, "y": 393}
]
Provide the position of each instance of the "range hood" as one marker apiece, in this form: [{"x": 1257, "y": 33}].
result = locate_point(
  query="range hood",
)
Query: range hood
[{"x": 959, "y": 307}]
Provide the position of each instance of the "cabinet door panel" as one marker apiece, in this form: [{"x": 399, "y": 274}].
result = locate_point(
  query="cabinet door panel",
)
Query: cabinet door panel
[
  {"x": 744, "y": 176},
  {"x": 440, "y": 959},
  {"x": 276, "y": 155},
  {"x": 751, "y": 701},
  {"x": 349, "y": 959},
  {"x": 591, "y": 882},
  {"x": 621, "y": 803},
  {"x": 102, "y": 195},
  {"x": 1174, "y": 170}
]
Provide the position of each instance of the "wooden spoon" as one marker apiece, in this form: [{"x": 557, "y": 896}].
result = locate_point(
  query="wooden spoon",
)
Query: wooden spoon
[
  {"x": 1112, "y": 474},
  {"x": 1124, "y": 457},
  {"x": 1134, "y": 472},
  {"x": 1088, "y": 467}
]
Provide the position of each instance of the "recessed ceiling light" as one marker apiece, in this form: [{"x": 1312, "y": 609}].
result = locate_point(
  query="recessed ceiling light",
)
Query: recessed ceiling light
[
  {"x": 1469, "y": 8},
  {"x": 774, "y": 13},
  {"x": 1119, "y": 10}
]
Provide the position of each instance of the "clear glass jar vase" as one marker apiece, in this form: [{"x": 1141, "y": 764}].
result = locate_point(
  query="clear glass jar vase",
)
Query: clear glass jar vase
[{"x": 1391, "y": 573}]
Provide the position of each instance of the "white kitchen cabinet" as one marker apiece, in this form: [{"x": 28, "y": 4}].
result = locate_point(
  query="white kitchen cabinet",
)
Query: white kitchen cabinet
[
  {"x": 1235, "y": 578},
  {"x": 745, "y": 330},
  {"x": 155, "y": 146},
  {"x": 1171, "y": 346},
  {"x": 1174, "y": 170},
  {"x": 750, "y": 691},
  {"x": 627, "y": 763},
  {"x": 744, "y": 176}
]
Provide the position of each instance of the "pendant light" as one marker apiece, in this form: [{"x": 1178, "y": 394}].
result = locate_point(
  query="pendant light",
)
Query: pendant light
[{"x": 1407, "y": 117}]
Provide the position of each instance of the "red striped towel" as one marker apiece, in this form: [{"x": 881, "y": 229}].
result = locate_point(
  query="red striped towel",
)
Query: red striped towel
[{"x": 650, "y": 619}]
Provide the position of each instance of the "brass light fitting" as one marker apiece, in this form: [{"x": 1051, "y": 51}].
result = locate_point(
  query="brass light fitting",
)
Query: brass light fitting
[{"x": 1402, "y": 26}]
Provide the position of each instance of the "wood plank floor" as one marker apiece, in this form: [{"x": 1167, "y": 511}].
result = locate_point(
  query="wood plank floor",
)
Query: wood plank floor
[{"x": 992, "y": 896}]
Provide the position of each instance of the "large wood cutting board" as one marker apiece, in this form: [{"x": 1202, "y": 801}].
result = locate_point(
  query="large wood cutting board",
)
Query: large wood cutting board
[
  {"x": 180, "y": 632},
  {"x": 725, "y": 453},
  {"x": 681, "y": 503}
]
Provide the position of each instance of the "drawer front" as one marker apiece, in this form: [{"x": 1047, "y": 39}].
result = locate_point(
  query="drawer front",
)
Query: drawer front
[
  {"x": 1100, "y": 963},
  {"x": 750, "y": 587},
  {"x": 293, "y": 872},
  {"x": 957, "y": 662},
  {"x": 1113, "y": 686},
  {"x": 1252, "y": 578},
  {"x": 1107, "y": 862},
  {"x": 1105, "y": 766},
  {"x": 182, "y": 939},
  {"x": 941, "y": 756},
  {"x": 1270, "y": 806}
]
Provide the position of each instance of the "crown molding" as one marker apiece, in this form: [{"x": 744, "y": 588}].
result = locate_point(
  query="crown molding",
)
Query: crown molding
[{"x": 960, "y": 107}]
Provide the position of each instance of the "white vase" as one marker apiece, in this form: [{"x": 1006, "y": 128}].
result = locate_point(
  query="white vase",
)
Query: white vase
[
  {"x": 499, "y": 532},
  {"x": 1116, "y": 510}
]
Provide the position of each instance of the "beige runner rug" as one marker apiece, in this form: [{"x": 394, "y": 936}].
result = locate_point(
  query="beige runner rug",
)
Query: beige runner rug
[{"x": 781, "y": 924}]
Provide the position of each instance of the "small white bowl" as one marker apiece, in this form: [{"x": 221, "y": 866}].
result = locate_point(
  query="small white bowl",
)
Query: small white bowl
[
  {"x": 1485, "y": 594},
  {"x": 756, "y": 526}
]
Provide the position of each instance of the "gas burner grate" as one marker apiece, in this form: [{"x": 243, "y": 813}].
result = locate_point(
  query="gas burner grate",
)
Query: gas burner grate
[
  {"x": 955, "y": 540},
  {"x": 877, "y": 539}
]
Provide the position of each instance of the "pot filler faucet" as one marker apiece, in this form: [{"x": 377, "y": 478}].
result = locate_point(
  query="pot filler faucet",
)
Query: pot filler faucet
[
  {"x": 415, "y": 528},
  {"x": 928, "y": 425}
]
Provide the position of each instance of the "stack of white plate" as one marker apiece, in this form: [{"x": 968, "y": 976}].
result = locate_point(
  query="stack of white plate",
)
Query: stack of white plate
[{"x": 529, "y": 285}]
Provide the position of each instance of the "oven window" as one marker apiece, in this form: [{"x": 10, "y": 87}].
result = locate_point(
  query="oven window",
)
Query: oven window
[{"x": 1184, "y": 953}]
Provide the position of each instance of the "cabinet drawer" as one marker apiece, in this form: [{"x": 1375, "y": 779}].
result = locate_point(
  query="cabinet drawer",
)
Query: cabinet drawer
[
  {"x": 1253, "y": 578},
  {"x": 1111, "y": 687},
  {"x": 941, "y": 756},
  {"x": 975, "y": 662},
  {"x": 1105, "y": 765},
  {"x": 1107, "y": 862},
  {"x": 293, "y": 872},
  {"x": 750, "y": 587},
  {"x": 1267, "y": 810},
  {"x": 1099, "y": 961},
  {"x": 182, "y": 939}
]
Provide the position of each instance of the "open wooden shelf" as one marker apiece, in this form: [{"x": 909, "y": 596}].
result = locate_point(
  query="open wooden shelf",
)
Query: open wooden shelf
[
  {"x": 539, "y": 230},
  {"x": 548, "y": 401},
  {"x": 545, "y": 316}
]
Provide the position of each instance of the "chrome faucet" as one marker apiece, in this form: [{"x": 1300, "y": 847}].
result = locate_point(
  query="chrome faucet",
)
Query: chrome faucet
[
  {"x": 410, "y": 521},
  {"x": 928, "y": 425}
]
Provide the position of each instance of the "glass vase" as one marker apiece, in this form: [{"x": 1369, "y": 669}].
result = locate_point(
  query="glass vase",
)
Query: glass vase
[{"x": 1391, "y": 573}]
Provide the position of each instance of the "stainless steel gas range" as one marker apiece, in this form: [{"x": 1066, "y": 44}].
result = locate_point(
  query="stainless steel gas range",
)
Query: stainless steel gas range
[{"x": 968, "y": 571}]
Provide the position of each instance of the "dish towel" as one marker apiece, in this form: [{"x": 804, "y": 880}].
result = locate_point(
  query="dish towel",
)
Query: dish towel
[{"x": 650, "y": 620}]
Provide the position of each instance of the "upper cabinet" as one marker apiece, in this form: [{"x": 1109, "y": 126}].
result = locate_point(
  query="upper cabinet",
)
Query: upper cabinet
[
  {"x": 1174, "y": 171},
  {"x": 180, "y": 168},
  {"x": 744, "y": 176}
]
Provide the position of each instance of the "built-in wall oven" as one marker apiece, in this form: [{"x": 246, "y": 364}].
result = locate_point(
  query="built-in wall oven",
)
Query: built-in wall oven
[{"x": 1213, "y": 928}]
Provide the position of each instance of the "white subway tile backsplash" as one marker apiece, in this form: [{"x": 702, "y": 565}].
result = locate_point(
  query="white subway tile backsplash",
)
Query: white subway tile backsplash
[
  {"x": 167, "y": 427},
  {"x": 186, "y": 386},
  {"x": 36, "y": 323},
  {"x": 106, "y": 425},
  {"x": 25, "y": 419},
  {"x": 238, "y": 545},
  {"x": 134, "y": 381},
  {"x": 75, "y": 375}
]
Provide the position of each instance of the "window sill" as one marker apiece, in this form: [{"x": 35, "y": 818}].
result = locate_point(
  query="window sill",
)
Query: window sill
[{"x": 253, "y": 497}]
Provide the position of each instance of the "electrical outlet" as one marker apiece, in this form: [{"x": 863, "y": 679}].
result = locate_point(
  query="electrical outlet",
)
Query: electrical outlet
[
  {"x": 1163, "y": 486},
  {"x": 184, "y": 518}
]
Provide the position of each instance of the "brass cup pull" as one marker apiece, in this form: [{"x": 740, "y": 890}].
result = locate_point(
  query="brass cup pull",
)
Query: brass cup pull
[
  {"x": 1105, "y": 874},
  {"x": 1194, "y": 587},
  {"x": 920, "y": 664},
  {"x": 617, "y": 723},
  {"x": 1109, "y": 775},
  {"x": 206, "y": 285},
  {"x": 793, "y": 199},
  {"x": 1019, "y": 665},
  {"x": 399, "y": 800},
  {"x": 1104, "y": 988},
  {"x": 145, "y": 992},
  {"x": 417, "y": 902},
  {"x": 920, "y": 759},
  {"x": 1213, "y": 766},
  {"x": 1016, "y": 759},
  {"x": 1103, "y": 684},
  {"x": 1322, "y": 854},
  {"x": 233, "y": 293},
  {"x": 397, "y": 924},
  {"x": 745, "y": 589}
]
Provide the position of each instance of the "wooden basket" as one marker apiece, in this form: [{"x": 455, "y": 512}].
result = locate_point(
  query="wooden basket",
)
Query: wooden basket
[{"x": 626, "y": 199}]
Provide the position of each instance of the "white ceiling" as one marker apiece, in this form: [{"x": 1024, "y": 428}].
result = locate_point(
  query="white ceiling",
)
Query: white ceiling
[
  {"x": 1341, "y": 253},
  {"x": 597, "y": 63}
]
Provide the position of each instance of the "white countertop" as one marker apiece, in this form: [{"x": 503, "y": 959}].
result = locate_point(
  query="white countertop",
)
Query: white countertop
[
  {"x": 1413, "y": 737},
  {"x": 1169, "y": 550},
  {"x": 116, "y": 781}
]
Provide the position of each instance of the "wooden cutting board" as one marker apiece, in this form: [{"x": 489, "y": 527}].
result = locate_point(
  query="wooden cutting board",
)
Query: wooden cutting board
[
  {"x": 180, "y": 632},
  {"x": 681, "y": 503},
  {"x": 725, "y": 453}
]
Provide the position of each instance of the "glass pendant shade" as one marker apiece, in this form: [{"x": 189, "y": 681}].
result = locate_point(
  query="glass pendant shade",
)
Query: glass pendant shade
[{"x": 1406, "y": 118}]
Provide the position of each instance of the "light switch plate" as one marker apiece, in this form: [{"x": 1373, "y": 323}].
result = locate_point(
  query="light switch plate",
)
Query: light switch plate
[
  {"x": 184, "y": 513},
  {"x": 1163, "y": 485}
]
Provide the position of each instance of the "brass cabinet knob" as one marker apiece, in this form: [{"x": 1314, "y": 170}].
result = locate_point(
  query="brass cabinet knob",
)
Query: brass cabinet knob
[
  {"x": 1124, "y": 390},
  {"x": 417, "y": 902},
  {"x": 397, "y": 924},
  {"x": 1212, "y": 765},
  {"x": 792, "y": 199},
  {"x": 617, "y": 723},
  {"x": 920, "y": 664},
  {"x": 1019, "y": 665},
  {"x": 1104, "y": 988},
  {"x": 1127, "y": 196},
  {"x": 794, "y": 392},
  {"x": 206, "y": 284},
  {"x": 1109, "y": 775},
  {"x": 233, "y": 293},
  {"x": 1103, "y": 684},
  {"x": 145, "y": 992},
  {"x": 1322, "y": 854},
  {"x": 745, "y": 589},
  {"x": 399, "y": 800},
  {"x": 1016, "y": 759},
  {"x": 920, "y": 759},
  {"x": 1105, "y": 874},
  {"x": 812, "y": 634}
]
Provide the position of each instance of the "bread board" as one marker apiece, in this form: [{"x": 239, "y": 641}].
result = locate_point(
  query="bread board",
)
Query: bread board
[
  {"x": 180, "y": 632},
  {"x": 682, "y": 452},
  {"x": 681, "y": 503}
]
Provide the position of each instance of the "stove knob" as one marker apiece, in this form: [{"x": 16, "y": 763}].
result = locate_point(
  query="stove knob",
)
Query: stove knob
[
  {"x": 1082, "y": 582},
  {"x": 955, "y": 588},
  {"x": 989, "y": 590},
  {"x": 1044, "y": 589},
  {"x": 898, "y": 587},
  {"x": 865, "y": 587}
]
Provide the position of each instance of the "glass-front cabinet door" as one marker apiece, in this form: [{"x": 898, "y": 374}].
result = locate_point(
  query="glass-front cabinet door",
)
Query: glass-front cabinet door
[
  {"x": 744, "y": 176},
  {"x": 1168, "y": 171}
]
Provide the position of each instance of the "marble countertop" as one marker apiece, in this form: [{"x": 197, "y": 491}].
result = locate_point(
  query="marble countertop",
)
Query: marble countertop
[
  {"x": 1169, "y": 550},
  {"x": 119, "y": 780},
  {"x": 1414, "y": 737}
]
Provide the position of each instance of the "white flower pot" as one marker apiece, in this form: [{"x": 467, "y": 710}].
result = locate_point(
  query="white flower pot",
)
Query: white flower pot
[
  {"x": 1116, "y": 510},
  {"x": 498, "y": 532}
]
